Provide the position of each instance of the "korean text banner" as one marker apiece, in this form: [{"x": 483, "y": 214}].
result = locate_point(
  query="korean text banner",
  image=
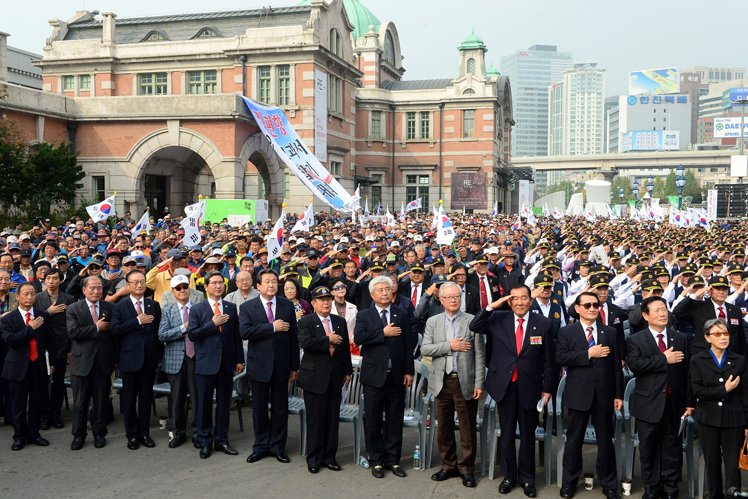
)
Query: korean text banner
[
  {"x": 295, "y": 154},
  {"x": 654, "y": 81}
]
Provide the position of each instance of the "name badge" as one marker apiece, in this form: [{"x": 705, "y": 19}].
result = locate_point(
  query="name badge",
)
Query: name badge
[
  {"x": 536, "y": 311},
  {"x": 617, "y": 320},
  {"x": 734, "y": 322},
  {"x": 536, "y": 340},
  {"x": 495, "y": 289},
  {"x": 744, "y": 310}
]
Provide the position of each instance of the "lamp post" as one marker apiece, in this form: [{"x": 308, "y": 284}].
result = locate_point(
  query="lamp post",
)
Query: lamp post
[
  {"x": 680, "y": 181},
  {"x": 635, "y": 192},
  {"x": 621, "y": 194}
]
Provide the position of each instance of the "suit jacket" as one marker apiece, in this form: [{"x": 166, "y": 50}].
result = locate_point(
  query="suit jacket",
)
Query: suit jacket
[
  {"x": 698, "y": 312},
  {"x": 534, "y": 364},
  {"x": 585, "y": 377},
  {"x": 318, "y": 368},
  {"x": 17, "y": 337},
  {"x": 493, "y": 283},
  {"x": 377, "y": 349},
  {"x": 171, "y": 332},
  {"x": 654, "y": 375},
  {"x": 637, "y": 322},
  {"x": 268, "y": 349},
  {"x": 167, "y": 298},
  {"x": 88, "y": 344},
  {"x": 214, "y": 346},
  {"x": 508, "y": 279},
  {"x": 471, "y": 365},
  {"x": 405, "y": 304},
  {"x": 716, "y": 406},
  {"x": 472, "y": 300},
  {"x": 139, "y": 342},
  {"x": 614, "y": 319},
  {"x": 58, "y": 321}
]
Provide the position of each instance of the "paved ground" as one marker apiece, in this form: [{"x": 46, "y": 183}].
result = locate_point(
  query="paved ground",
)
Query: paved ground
[{"x": 57, "y": 471}]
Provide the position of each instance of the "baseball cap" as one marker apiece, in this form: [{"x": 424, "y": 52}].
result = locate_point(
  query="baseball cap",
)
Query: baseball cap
[
  {"x": 179, "y": 279},
  {"x": 321, "y": 292},
  {"x": 439, "y": 279}
]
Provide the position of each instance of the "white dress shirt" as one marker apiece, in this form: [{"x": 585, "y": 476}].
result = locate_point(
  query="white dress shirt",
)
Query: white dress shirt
[
  {"x": 135, "y": 305},
  {"x": 524, "y": 325},
  {"x": 274, "y": 307},
  {"x": 657, "y": 340},
  {"x": 98, "y": 310},
  {"x": 594, "y": 333},
  {"x": 419, "y": 292},
  {"x": 24, "y": 312},
  {"x": 717, "y": 307},
  {"x": 189, "y": 307},
  {"x": 389, "y": 321}
]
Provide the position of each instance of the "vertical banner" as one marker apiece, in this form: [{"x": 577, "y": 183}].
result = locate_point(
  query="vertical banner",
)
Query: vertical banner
[
  {"x": 711, "y": 205},
  {"x": 320, "y": 115},
  {"x": 470, "y": 190},
  {"x": 525, "y": 193}
]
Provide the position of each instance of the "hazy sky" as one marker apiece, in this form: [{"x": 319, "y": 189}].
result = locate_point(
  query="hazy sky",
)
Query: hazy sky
[{"x": 620, "y": 37}]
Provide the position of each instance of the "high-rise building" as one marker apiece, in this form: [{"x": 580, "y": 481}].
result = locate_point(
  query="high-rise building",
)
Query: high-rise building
[
  {"x": 16, "y": 67},
  {"x": 531, "y": 72},
  {"x": 711, "y": 75},
  {"x": 576, "y": 111},
  {"x": 692, "y": 84},
  {"x": 649, "y": 113},
  {"x": 610, "y": 103}
]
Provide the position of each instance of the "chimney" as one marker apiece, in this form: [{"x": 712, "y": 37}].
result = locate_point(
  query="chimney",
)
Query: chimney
[
  {"x": 4, "y": 56},
  {"x": 108, "y": 38}
]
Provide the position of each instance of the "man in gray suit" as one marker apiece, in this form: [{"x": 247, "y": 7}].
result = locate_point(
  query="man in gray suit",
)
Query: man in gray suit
[
  {"x": 245, "y": 291},
  {"x": 179, "y": 358},
  {"x": 458, "y": 363},
  {"x": 167, "y": 298}
]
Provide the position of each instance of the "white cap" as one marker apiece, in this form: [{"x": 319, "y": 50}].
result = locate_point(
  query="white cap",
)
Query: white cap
[
  {"x": 321, "y": 238},
  {"x": 136, "y": 254},
  {"x": 343, "y": 239},
  {"x": 12, "y": 239},
  {"x": 216, "y": 252},
  {"x": 369, "y": 238},
  {"x": 395, "y": 244},
  {"x": 24, "y": 237},
  {"x": 179, "y": 279},
  {"x": 494, "y": 250},
  {"x": 418, "y": 238}
]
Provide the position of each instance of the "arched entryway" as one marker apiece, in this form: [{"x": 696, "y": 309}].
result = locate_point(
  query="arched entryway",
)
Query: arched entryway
[{"x": 265, "y": 173}]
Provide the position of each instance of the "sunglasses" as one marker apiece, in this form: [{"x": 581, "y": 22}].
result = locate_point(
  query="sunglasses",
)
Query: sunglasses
[
  {"x": 338, "y": 287},
  {"x": 181, "y": 287},
  {"x": 587, "y": 306},
  {"x": 130, "y": 264},
  {"x": 720, "y": 334}
]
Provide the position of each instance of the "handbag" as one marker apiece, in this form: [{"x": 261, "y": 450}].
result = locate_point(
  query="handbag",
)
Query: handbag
[{"x": 743, "y": 461}]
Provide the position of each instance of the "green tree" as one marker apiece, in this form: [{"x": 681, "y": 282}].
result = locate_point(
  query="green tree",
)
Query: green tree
[
  {"x": 53, "y": 176},
  {"x": 564, "y": 186},
  {"x": 619, "y": 182},
  {"x": 670, "y": 188},
  {"x": 692, "y": 188},
  {"x": 659, "y": 188}
]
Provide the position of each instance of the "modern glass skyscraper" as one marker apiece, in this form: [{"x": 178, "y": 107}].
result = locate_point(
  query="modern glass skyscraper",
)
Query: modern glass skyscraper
[{"x": 531, "y": 72}]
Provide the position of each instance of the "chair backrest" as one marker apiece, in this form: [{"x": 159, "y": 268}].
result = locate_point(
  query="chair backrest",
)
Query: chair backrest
[
  {"x": 628, "y": 398},
  {"x": 354, "y": 389},
  {"x": 414, "y": 395},
  {"x": 560, "y": 394}
]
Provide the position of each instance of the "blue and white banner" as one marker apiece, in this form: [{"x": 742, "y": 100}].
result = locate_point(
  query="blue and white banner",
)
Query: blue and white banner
[{"x": 295, "y": 154}]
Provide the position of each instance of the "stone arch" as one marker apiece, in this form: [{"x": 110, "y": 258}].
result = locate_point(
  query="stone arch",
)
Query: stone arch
[
  {"x": 383, "y": 29},
  {"x": 262, "y": 162}
]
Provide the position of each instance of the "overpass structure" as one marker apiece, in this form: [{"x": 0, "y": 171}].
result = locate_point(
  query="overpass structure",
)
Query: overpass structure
[{"x": 609, "y": 165}]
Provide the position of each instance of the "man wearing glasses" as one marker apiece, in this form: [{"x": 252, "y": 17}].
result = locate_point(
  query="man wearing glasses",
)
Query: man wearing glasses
[{"x": 589, "y": 351}]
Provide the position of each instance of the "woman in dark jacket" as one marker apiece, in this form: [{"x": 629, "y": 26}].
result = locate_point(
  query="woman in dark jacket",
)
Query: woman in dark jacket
[{"x": 720, "y": 384}]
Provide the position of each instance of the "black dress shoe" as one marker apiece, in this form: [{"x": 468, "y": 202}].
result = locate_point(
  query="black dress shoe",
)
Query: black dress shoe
[
  {"x": 442, "y": 475},
  {"x": 99, "y": 441},
  {"x": 468, "y": 480},
  {"x": 255, "y": 456},
  {"x": 205, "y": 453},
  {"x": 529, "y": 490},
  {"x": 147, "y": 442},
  {"x": 195, "y": 442},
  {"x": 132, "y": 443},
  {"x": 397, "y": 470},
  {"x": 41, "y": 442},
  {"x": 282, "y": 458},
  {"x": 376, "y": 471},
  {"x": 568, "y": 492},
  {"x": 670, "y": 496},
  {"x": 57, "y": 423},
  {"x": 44, "y": 425},
  {"x": 313, "y": 469},
  {"x": 226, "y": 449},
  {"x": 611, "y": 494},
  {"x": 505, "y": 486},
  {"x": 77, "y": 443},
  {"x": 18, "y": 445},
  {"x": 177, "y": 441},
  {"x": 334, "y": 467}
]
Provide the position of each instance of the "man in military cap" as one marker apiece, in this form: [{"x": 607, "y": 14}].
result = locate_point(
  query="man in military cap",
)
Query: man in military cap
[
  {"x": 511, "y": 272},
  {"x": 411, "y": 284},
  {"x": 545, "y": 303},
  {"x": 487, "y": 284}
]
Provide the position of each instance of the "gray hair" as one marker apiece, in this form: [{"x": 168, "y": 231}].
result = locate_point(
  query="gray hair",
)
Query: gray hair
[
  {"x": 9, "y": 274},
  {"x": 449, "y": 284},
  {"x": 711, "y": 323},
  {"x": 420, "y": 246},
  {"x": 379, "y": 280},
  {"x": 84, "y": 282}
]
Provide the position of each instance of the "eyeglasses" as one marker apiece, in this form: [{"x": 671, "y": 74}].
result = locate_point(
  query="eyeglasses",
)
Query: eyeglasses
[
  {"x": 338, "y": 287},
  {"x": 450, "y": 298},
  {"x": 460, "y": 276},
  {"x": 587, "y": 306},
  {"x": 720, "y": 334},
  {"x": 182, "y": 287}
]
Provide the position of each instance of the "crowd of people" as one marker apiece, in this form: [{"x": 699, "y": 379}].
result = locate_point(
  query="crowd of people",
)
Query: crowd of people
[{"x": 505, "y": 307}]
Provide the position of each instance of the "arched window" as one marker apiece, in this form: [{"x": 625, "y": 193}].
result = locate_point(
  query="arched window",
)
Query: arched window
[
  {"x": 207, "y": 33},
  {"x": 389, "y": 48},
  {"x": 335, "y": 42},
  {"x": 154, "y": 36},
  {"x": 471, "y": 66},
  {"x": 469, "y": 91}
]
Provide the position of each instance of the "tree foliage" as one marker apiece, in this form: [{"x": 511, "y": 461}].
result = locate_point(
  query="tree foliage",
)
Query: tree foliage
[{"x": 568, "y": 187}]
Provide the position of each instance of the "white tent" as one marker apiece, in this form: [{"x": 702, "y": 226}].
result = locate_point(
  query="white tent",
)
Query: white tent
[
  {"x": 598, "y": 194},
  {"x": 556, "y": 199},
  {"x": 576, "y": 205}
]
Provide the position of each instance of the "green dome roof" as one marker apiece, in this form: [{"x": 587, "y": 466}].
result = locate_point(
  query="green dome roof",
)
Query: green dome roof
[
  {"x": 359, "y": 15},
  {"x": 492, "y": 71},
  {"x": 472, "y": 42}
]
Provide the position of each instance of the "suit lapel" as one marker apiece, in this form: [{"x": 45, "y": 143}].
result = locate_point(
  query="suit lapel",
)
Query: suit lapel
[{"x": 530, "y": 330}]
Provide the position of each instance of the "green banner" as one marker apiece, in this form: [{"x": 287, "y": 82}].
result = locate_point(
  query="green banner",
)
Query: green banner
[
  {"x": 673, "y": 200},
  {"x": 236, "y": 211}
]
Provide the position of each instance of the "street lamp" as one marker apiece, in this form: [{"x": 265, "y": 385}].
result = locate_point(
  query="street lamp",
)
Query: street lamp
[
  {"x": 680, "y": 181},
  {"x": 621, "y": 194},
  {"x": 650, "y": 185},
  {"x": 635, "y": 191}
]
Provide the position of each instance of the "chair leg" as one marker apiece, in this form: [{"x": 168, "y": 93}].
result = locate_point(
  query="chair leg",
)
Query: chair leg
[
  {"x": 422, "y": 442},
  {"x": 154, "y": 406},
  {"x": 67, "y": 404},
  {"x": 483, "y": 444},
  {"x": 302, "y": 422},
  {"x": 702, "y": 474},
  {"x": 492, "y": 460},
  {"x": 356, "y": 440},
  {"x": 548, "y": 458}
]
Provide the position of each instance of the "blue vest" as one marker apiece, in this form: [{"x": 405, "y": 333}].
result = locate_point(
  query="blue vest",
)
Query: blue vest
[{"x": 554, "y": 315}]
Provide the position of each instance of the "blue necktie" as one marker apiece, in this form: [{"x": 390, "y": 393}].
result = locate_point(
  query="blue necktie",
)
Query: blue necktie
[{"x": 590, "y": 338}]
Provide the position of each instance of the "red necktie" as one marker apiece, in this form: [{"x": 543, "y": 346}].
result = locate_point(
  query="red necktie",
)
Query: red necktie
[
  {"x": 139, "y": 308},
  {"x": 603, "y": 314},
  {"x": 33, "y": 354},
  {"x": 328, "y": 332},
  {"x": 518, "y": 338},
  {"x": 218, "y": 312},
  {"x": 414, "y": 299},
  {"x": 484, "y": 294},
  {"x": 722, "y": 314},
  {"x": 661, "y": 345}
]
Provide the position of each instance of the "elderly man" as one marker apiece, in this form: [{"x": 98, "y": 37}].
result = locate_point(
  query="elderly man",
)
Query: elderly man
[
  {"x": 382, "y": 333},
  {"x": 458, "y": 371},
  {"x": 486, "y": 283},
  {"x": 159, "y": 280},
  {"x": 179, "y": 359},
  {"x": 245, "y": 291},
  {"x": 8, "y": 302}
]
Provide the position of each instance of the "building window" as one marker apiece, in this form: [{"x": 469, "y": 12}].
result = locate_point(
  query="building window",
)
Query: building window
[
  {"x": 287, "y": 185},
  {"x": 336, "y": 168},
  {"x": 335, "y": 42},
  {"x": 264, "y": 84},
  {"x": 468, "y": 91},
  {"x": 68, "y": 83},
  {"x": 154, "y": 36},
  {"x": 153, "y": 84},
  {"x": 99, "y": 193},
  {"x": 376, "y": 125},
  {"x": 202, "y": 82},
  {"x": 284, "y": 85},
  {"x": 207, "y": 33},
  {"x": 335, "y": 94},
  {"x": 713, "y": 170},
  {"x": 85, "y": 81},
  {"x": 471, "y": 66},
  {"x": 468, "y": 124},
  {"x": 376, "y": 191},
  {"x": 425, "y": 125},
  {"x": 417, "y": 186},
  {"x": 410, "y": 125}
]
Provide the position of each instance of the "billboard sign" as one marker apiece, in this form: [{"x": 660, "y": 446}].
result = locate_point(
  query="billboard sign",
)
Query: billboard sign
[
  {"x": 651, "y": 140},
  {"x": 654, "y": 81},
  {"x": 469, "y": 190},
  {"x": 738, "y": 94},
  {"x": 726, "y": 128}
]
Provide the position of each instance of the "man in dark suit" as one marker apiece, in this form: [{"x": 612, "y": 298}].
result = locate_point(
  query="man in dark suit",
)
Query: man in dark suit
[
  {"x": 520, "y": 352},
  {"x": 27, "y": 334},
  {"x": 387, "y": 366},
  {"x": 268, "y": 323},
  {"x": 470, "y": 299},
  {"x": 93, "y": 355},
  {"x": 412, "y": 285},
  {"x": 659, "y": 358},
  {"x": 594, "y": 387},
  {"x": 649, "y": 288},
  {"x": 511, "y": 272},
  {"x": 136, "y": 322},
  {"x": 487, "y": 284},
  {"x": 214, "y": 330},
  {"x": 55, "y": 302},
  {"x": 698, "y": 311},
  {"x": 610, "y": 315},
  {"x": 325, "y": 367}
]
